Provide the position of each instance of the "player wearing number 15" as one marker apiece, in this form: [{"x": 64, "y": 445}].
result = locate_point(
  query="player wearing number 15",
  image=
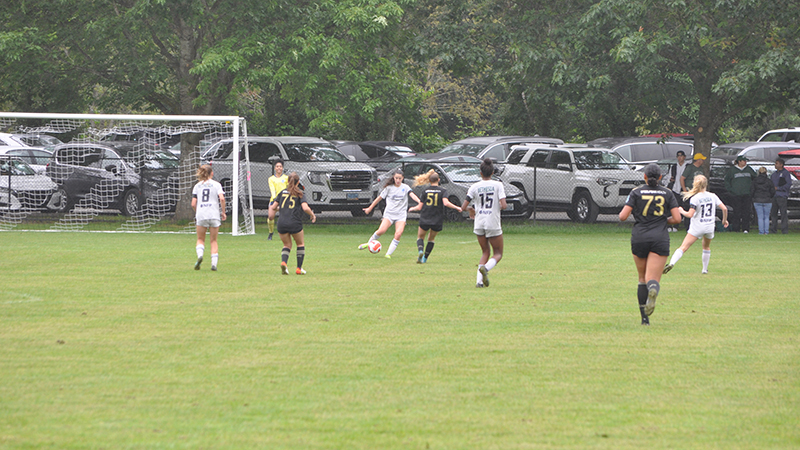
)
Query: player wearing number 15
[
  {"x": 208, "y": 202},
  {"x": 292, "y": 206},
  {"x": 484, "y": 201},
  {"x": 653, "y": 207}
]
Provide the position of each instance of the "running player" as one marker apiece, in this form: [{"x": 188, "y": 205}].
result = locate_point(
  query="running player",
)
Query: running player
[
  {"x": 653, "y": 207},
  {"x": 703, "y": 212},
  {"x": 396, "y": 194},
  {"x": 208, "y": 202},
  {"x": 292, "y": 205},
  {"x": 431, "y": 217},
  {"x": 277, "y": 183},
  {"x": 484, "y": 201}
]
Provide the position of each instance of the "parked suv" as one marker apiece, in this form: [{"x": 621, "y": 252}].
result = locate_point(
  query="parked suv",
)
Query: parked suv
[
  {"x": 582, "y": 181},
  {"x": 111, "y": 178},
  {"x": 790, "y": 134},
  {"x": 752, "y": 150},
  {"x": 641, "y": 151},
  {"x": 331, "y": 181},
  {"x": 494, "y": 147}
]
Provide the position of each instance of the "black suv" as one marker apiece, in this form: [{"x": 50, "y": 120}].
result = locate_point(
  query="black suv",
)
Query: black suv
[{"x": 103, "y": 177}]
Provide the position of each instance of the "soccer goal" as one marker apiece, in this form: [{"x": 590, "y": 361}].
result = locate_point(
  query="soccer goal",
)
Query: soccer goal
[{"x": 126, "y": 173}]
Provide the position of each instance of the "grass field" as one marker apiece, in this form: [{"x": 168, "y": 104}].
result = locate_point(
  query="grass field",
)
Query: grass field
[{"x": 113, "y": 341}]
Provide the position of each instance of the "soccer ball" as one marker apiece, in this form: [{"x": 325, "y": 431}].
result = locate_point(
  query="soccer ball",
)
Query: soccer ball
[{"x": 374, "y": 246}]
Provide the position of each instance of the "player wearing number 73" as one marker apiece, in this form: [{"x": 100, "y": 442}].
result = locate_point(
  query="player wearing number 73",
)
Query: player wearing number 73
[
  {"x": 484, "y": 201},
  {"x": 703, "y": 212}
]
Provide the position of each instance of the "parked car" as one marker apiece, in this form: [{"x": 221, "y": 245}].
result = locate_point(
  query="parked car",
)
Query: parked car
[
  {"x": 641, "y": 151},
  {"x": 7, "y": 139},
  {"x": 456, "y": 177},
  {"x": 373, "y": 155},
  {"x": 44, "y": 141},
  {"x": 113, "y": 178},
  {"x": 22, "y": 189},
  {"x": 790, "y": 134},
  {"x": 397, "y": 147},
  {"x": 767, "y": 151},
  {"x": 792, "y": 158},
  {"x": 36, "y": 157},
  {"x": 331, "y": 181},
  {"x": 582, "y": 181},
  {"x": 149, "y": 138},
  {"x": 495, "y": 147}
]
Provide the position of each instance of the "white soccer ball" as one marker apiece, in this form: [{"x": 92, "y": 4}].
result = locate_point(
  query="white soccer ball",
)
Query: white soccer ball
[{"x": 374, "y": 246}]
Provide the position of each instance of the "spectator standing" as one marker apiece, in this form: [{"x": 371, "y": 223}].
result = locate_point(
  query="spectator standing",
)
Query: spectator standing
[
  {"x": 676, "y": 172},
  {"x": 687, "y": 180},
  {"x": 739, "y": 182},
  {"x": 762, "y": 192},
  {"x": 782, "y": 180}
]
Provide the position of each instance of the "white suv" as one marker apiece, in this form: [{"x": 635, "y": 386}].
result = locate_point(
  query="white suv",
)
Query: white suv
[
  {"x": 781, "y": 135},
  {"x": 582, "y": 181}
]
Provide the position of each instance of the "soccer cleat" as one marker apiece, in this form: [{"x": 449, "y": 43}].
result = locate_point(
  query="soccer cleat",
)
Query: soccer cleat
[
  {"x": 424, "y": 259},
  {"x": 479, "y": 285},
  {"x": 284, "y": 269},
  {"x": 668, "y": 267},
  {"x": 421, "y": 257},
  {"x": 645, "y": 321},
  {"x": 363, "y": 246},
  {"x": 485, "y": 275},
  {"x": 269, "y": 238},
  {"x": 388, "y": 256},
  {"x": 300, "y": 271},
  {"x": 705, "y": 272},
  {"x": 197, "y": 264},
  {"x": 650, "y": 306},
  {"x": 214, "y": 268}
]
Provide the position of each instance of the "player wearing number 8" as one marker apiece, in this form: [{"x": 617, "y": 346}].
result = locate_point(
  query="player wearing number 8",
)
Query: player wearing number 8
[
  {"x": 653, "y": 207},
  {"x": 292, "y": 206},
  {"x": 208, "y": 202},
  {"x": 703, "y": 212},
  {"x": 485, "y": 199}
]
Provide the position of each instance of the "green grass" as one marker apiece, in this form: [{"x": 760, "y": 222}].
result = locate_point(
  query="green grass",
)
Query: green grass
[{"x": 113, "y": 341}]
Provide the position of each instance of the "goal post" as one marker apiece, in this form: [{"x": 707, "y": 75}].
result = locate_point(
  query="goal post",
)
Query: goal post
[{"x": 114, "y": 172}]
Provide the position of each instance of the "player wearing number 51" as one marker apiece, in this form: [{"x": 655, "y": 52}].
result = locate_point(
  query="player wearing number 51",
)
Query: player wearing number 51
[
  {"x": 485, "y": 199},
  {"x": 292, "y": 205},
  {"x": 431, "y": 216},
  {"x": 208, "y": 202},
  {"x": 703, "y": 212},
  {"x": 653, "y": 208}
]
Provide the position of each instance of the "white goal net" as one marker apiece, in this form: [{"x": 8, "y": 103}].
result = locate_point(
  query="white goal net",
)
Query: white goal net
[{"x": 127, "y": 173}]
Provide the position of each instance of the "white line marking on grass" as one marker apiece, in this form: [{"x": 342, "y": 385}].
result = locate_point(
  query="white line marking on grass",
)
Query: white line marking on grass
[{"x": 26, "y": 298}]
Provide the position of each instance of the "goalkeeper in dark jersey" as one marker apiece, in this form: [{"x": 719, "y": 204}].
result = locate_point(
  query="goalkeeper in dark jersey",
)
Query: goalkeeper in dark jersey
[{"x": 431, "y": 217}]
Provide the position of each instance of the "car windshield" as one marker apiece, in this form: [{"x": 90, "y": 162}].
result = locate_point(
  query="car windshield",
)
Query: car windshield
[
  {"x": 314, "y": 152},
  {"x": 725, "y": 151},
  {"x": 463, "y": 149},
  {"x": 400, "y": 148},
  {"x": 593, "y": 159},
  {"x": 462, "y": 173},
  {"x": 160, "y": 159},
  {"x": 15, "y": 167}
]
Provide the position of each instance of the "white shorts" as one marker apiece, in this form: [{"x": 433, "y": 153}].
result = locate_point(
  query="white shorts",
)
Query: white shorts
[
  {"x": 703, "y": 231},
  {"x": 488, "y": 233},
  {"x": 395, "y": 218},
  {"x": 209, "y": 223}
]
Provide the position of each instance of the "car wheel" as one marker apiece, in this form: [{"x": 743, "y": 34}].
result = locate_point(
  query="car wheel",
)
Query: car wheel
[
  {"x": 65, "y": 203},
  {"x": 131, "y": 203},
  {"x": 451, "y": 214},
  {"x": 584, "y": 209}
]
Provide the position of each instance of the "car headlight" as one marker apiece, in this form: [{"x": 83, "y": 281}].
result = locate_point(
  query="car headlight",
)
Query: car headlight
[
  {"x": 606, "y": 181},
  {"x": 317, "y": 177}
]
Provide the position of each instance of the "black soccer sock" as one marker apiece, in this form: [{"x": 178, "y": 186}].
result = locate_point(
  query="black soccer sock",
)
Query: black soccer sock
[
  {"x": 641, "y": 293},
  {"x": 429, "y": 249},
  {"x": 285, "y": 255},
  {"x": 420, "y": 244},
  {"x": 301, "y": 254}
]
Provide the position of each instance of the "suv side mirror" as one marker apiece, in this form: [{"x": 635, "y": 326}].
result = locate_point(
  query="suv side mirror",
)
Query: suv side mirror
[
  {"x": 111, "y": 168},
  {"x": 564, "y": 167}
]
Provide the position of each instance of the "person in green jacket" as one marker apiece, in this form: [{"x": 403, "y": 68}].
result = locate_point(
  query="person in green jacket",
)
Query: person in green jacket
[{"x": 739, "y": 183}]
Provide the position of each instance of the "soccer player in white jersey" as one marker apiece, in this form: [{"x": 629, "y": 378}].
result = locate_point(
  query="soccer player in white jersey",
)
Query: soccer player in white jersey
[
  {"x": 703, "y": 212},
  {"x": 208, "y": 202},
  {"x": 396, "y": 194},
  {"x": 485, "y": 199}
]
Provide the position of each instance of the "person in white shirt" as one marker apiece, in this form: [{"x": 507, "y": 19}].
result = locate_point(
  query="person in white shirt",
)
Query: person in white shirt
[
  {"x": 485, "y": 199},
  {"x": 396, "y": 194},
  {"x": 208, "y": 202},
  {"x": 675, "y": 180}
]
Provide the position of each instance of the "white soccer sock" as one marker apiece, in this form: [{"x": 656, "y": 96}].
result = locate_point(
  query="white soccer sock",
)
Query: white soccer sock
[
  {"x": 374, "y": 237},
  {"x": 392, "y": 246},
  {"x": 676, "y": 256},
  {"x": 706, "y": 259},
  {"x": 479, "y": 280},
  {"x": 214, "y": 259},
  {"x": 490, "y": 264},
  {"x": 200, "y": 249}
]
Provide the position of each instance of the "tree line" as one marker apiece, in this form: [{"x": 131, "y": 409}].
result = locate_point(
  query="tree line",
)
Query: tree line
[{"x": 420, "y": 71}]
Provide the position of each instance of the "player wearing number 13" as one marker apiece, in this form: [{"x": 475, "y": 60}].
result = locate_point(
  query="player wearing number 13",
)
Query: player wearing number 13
[
  {"x": 653, "y": 207},
  {"x": 292, "y": 206},
  {"x": 484, "y": 200}
]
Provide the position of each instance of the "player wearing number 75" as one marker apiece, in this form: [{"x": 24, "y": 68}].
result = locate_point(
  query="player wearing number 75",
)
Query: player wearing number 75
[
  {"x": 653, "y": 207},
  {"x": 292, "y": 206},
  {"x": 485, "y": 199},
  {"x": 703, "y": 213}
]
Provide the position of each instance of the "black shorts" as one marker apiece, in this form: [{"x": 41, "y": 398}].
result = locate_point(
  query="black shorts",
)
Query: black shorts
[
  {"x": 437, "y": 227},
  {"x": 642, "y": 249},
  {"x": 290, "y": 230}
]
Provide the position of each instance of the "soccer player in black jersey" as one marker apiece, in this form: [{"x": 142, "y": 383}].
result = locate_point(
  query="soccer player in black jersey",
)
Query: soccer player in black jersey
[
  {"x": 431, "y": 217},
  {"x": 653, "y": 207},
  {"x": 292, "y": 205}
]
